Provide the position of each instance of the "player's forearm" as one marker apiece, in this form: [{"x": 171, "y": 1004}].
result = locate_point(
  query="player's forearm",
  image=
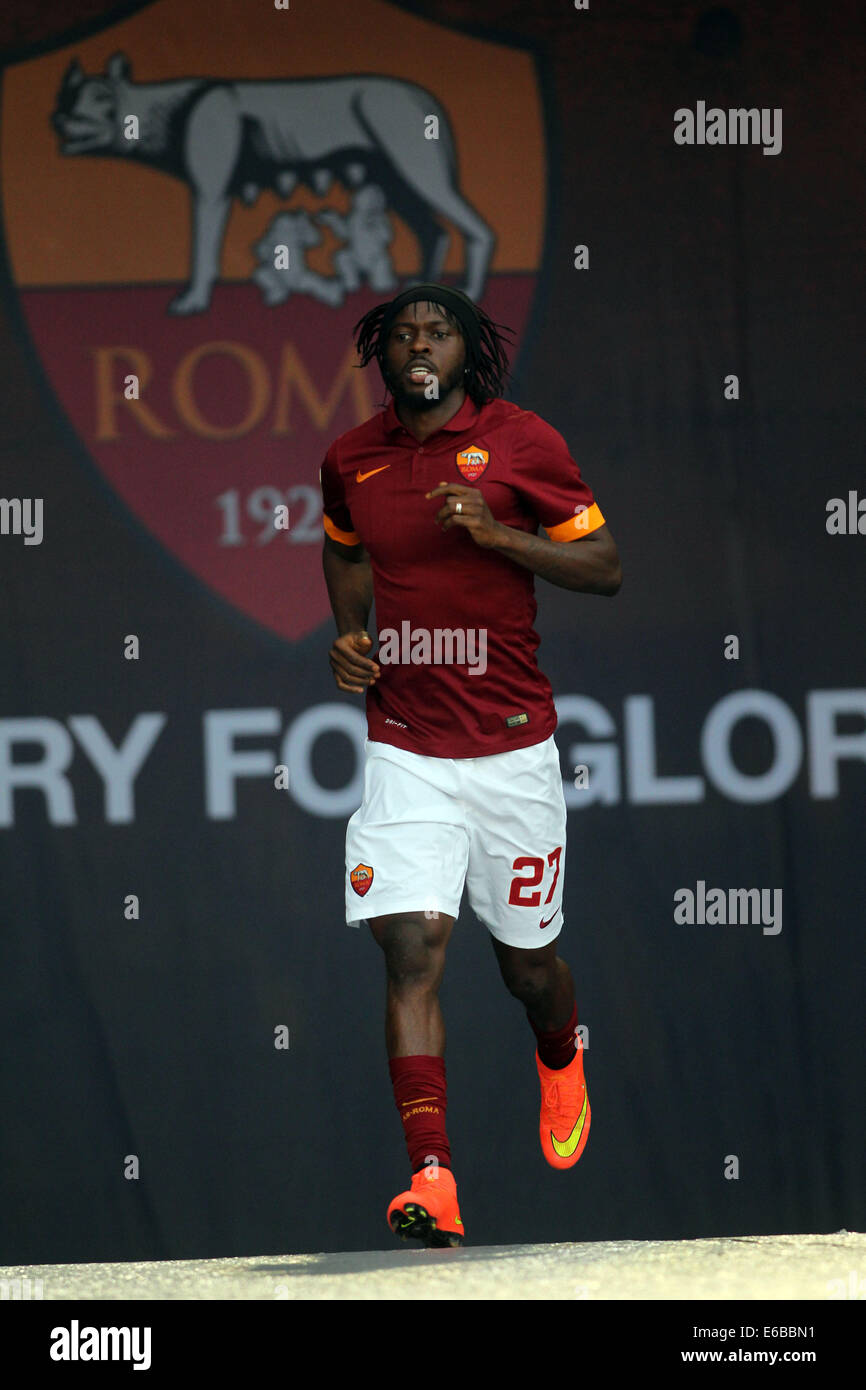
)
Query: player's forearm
[
  {"x": 580, "y": 565},
  {"x": 350, "y": 589}
]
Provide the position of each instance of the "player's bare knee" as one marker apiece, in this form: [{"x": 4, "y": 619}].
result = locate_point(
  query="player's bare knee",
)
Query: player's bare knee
[
  {"x": 419, "y": 929},
  {"x": 412, "y": 966},
  {"x": 414, "y": 975},
  {"x": 531, "y": 985},
  {"x": 414, "y": 947}
]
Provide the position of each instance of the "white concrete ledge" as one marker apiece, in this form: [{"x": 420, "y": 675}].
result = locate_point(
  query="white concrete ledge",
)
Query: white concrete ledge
[{"x": 821, "y": 1267}]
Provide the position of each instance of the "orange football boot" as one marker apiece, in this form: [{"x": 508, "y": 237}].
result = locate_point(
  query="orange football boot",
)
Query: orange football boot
[
  {"x": 565, "y": 1112},
  {"x": 429, "y": 1212}
]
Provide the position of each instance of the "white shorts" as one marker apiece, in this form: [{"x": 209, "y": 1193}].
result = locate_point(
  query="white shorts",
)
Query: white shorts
[{"x": 427, "y": 826}]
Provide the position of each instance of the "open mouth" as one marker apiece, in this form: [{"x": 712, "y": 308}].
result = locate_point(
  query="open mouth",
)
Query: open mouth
[
  {"x": 418, "y": 372},
  {"x": 76, "y": 135}
]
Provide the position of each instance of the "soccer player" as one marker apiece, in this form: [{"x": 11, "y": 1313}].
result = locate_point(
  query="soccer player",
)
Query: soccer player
[{"x": 432, "y": 508}]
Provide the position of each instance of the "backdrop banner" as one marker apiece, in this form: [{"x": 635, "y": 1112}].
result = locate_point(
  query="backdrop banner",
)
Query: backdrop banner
[{"x": 664, "y": 204}]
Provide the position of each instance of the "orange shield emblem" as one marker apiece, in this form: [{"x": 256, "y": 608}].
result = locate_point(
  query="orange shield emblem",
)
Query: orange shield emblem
[
  {"x": 472, "y": 462},
  {"x": 361, "y": 878},
  {"x": 219, "y": 326}
]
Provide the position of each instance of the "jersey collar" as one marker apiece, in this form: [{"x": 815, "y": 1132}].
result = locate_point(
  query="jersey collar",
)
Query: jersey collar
[{"x": 465, "y": 417}]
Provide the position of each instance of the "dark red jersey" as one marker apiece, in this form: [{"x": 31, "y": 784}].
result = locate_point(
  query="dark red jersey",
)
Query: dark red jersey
[{"x": 457, "y": 647}]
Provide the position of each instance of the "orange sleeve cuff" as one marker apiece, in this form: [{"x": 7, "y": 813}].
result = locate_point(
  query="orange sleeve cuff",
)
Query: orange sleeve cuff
[
  {"x": 342, "y": 537},
  {"x": 577, "y": 526}
]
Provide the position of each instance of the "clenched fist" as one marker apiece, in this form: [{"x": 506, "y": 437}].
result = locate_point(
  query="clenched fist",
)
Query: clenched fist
[{"x": 352, "y": 670}]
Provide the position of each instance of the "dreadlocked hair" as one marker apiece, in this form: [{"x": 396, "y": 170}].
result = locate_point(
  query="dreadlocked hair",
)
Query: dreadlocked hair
[{"x": 488, "y": 368}]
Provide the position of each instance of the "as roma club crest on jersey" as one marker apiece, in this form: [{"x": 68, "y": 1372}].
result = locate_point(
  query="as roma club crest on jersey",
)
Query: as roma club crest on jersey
[
  {"x": 191, "y": 229},
  {"x": 472, "y": 462},
  {"x": 361, "y": 879}
]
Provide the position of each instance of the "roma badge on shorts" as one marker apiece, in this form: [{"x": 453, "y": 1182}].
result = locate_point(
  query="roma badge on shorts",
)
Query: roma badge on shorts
[
  {"x": 361, "y": 878},
  {"x": 472, "y": 462}
]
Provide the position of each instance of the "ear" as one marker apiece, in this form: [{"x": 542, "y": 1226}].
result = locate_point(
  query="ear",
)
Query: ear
[
  {"x": 74, "y": 74},
  {"x": 117, "y": 67}
]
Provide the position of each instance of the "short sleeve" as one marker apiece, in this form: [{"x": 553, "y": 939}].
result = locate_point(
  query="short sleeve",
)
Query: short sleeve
[
  {"x": 547, "y": 478},
  {"x": 335, "y": 514}
]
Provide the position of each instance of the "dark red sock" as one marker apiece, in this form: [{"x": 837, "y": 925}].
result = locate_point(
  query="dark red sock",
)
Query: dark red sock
[
  {"x": 556, "y": 1049},
  {"x": 421, "y": 1098}
]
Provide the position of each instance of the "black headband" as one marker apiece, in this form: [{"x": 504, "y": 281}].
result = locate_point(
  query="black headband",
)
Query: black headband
[{"x": 459, "y": 304}]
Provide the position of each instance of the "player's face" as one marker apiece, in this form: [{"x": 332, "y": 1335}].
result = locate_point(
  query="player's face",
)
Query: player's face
[{"x": 421, "y": 338}]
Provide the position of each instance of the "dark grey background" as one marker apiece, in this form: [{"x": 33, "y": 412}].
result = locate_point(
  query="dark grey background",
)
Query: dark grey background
[{"x": 156, "y": 1038}]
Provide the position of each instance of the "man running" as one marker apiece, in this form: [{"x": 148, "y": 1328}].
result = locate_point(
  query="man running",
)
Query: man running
[{"x": 432, "y": 508}]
